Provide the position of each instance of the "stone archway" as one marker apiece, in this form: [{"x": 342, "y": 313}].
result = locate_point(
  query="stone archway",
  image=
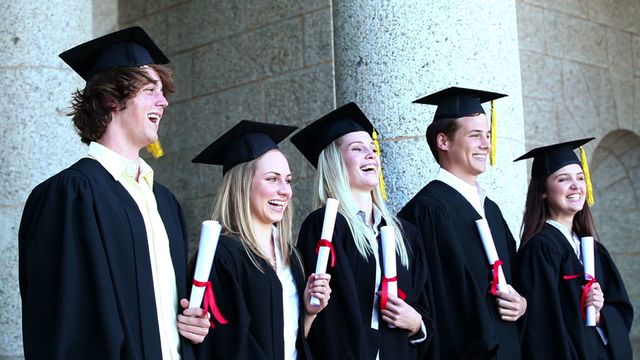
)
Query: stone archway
[{"x": 615, "y": 169}]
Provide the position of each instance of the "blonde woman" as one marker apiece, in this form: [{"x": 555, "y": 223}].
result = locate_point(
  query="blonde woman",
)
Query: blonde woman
[
  {"x": 257, "y": 276},
  {"x": 353, "y": 326}
]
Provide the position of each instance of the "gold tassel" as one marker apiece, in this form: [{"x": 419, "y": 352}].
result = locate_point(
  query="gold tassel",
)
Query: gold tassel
[
  {"x": 156, "y": 150},
  {"x": 494, "y": 135},
  {"x": 380, "y": 177},
  {"x": 587, "y": 177}
]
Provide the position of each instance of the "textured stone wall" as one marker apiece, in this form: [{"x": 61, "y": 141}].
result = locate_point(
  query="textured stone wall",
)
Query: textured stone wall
[
  {"x": 37, "y": 138},
  {"x": 580, "y": 63},
  {"x": 257, "y": 60},
  {"x": 407, "y": 49}
]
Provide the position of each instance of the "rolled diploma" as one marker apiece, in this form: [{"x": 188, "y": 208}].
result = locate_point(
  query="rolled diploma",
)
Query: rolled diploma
[
  {"x": 209, "y": 234},
  {"x": 388, "y": 238},
  {"x": 329, "y": 221},
  {"x": 586, "y": 245},
  {"x": 491, "y": 252}
]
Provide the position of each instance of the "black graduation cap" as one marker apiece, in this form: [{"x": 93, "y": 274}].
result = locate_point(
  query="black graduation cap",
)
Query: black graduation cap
[
  {"x": 316, "y": 136},
  {"x": 129, "y": 47},
  {"x": 548, "y": 159},
  {"x": 246, "y": 141},
  {"x": 456, "y": 102}
]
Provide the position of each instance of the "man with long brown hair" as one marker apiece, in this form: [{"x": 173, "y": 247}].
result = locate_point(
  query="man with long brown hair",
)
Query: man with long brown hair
[{"x": 103, "y": 247}]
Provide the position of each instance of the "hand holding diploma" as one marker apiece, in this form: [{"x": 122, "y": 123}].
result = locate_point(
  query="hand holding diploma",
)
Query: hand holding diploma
[
  {"x": 202, "y": 287},
  {"x": 499, "y": 282},
  {"x": 324, "y": 247}
]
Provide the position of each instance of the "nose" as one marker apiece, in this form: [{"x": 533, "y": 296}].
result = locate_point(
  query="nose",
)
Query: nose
[
  {"x": 370, "y": 153},
  {"x": 486, "y": 141},
  {"x": 285, "y": 189},
  {"x": 161, "y": 101}
]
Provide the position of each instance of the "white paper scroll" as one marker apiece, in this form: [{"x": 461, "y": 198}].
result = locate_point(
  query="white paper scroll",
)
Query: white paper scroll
[
  {"x": 330, "y": 212},
  {"x": 209, "y": 235},
  {"x": 388, "y": 238},
  {"x": 491, "y": 252},
  {"x": 586, "y": 245}
]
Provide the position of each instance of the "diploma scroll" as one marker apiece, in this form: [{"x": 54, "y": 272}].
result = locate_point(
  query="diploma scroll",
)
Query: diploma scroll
[
  {"x": 388, "y": 239},
  {"x": 588, "y": 263},
  {"x": 209, "y": 234},
  {"x": 491, "y": 252},
  {"x": 330, "y": 212}
]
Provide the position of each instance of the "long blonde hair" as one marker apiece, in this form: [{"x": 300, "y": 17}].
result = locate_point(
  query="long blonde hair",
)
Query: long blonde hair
[
  {"x": 233, "y": 210},
  {"x": 332, "y": 181}
]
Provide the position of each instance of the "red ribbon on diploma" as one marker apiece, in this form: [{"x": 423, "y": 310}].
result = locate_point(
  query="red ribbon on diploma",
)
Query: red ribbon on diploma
[
  {"x": 329, "y": 244},
  {"x": 587, "y": 286},
  {"x": 209, "y": 303},
  {"x": 495, "y": 268},
  {"x": 384, "y": 292}
]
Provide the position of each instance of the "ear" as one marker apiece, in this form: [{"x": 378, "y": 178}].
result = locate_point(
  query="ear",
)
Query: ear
[{"x": 442, "y": 141}]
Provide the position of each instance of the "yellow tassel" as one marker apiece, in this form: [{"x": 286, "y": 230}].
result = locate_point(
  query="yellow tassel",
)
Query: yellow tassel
[
  {"x": 380, "y": 177},
  {"x": 494, "y": 135},
  {"x": 156, "y": 150},
  {"x": 587, "y": 177}
]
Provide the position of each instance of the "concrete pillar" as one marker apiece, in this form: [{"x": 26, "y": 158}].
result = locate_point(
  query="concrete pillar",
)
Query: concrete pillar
[
  {"x": 36, "y": 137},
  {"x": 389, "y": 53}
]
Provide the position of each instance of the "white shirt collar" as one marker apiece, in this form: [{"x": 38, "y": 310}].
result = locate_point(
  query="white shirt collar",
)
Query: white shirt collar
[
  {"x": 475, "y": 195},
  {"x": 119, "y": 166}
]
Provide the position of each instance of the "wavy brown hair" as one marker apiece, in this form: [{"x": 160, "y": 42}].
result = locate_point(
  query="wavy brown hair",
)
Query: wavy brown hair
[
  {"x": 108, "y": 91},
  {"x": 536, "y": 212}
]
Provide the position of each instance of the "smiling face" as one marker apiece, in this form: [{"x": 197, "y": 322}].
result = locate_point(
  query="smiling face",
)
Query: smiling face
[
  {"x": 139, "y": 121},
  {"x": 565, "y": 192},
  {"x": 270, "y": 189},
  {"x": 361, "y": 161},
  {"x": 465, "y": 153}
]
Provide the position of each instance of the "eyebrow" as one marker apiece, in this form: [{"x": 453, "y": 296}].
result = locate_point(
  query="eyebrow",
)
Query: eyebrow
[{"x": 276, "y": 173}]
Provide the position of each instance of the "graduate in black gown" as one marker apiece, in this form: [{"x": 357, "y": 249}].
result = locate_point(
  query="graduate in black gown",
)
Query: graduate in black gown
[
  {"x": 555, "y": 220},
  {"x": 471, "y": 321},
  {"x": 257, "y": 275},
  {"x": 353, "y": 326},
  {"x": 102, "y": 246}
]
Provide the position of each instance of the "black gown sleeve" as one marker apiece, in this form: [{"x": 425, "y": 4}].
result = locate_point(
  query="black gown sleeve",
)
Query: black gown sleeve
[
  {"x": 543, "y": 329},
  {"x": 235, "y": 340},
  {"x": 337, "y": 332},
  {"x": 68, "y": 304},
  {"x": 456, "y": 297},
  {"x": 616, "y": 316}
]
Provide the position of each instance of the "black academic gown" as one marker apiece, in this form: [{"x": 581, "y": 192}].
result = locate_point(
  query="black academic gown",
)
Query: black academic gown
[
  {"x": 553, "y": 327},
  {"x": 467, "y": 321},
  {"x": 251, "y": 302},
  {"x": 85, "y": 274},
  {"x": 342, "y": 330}
]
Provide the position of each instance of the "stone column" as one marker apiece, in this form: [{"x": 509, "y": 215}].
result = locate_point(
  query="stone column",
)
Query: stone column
[
  {"x": 36, "y": 137},
  {"x": 389, "y": 53}
]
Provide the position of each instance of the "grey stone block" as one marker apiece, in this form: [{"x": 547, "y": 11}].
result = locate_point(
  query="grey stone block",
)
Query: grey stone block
[
  {"x": 576, "y": 39},
  {"x": 588, "y": 94},
  {"x": 574, "y": 7},
  {"x": 542, "y": 76},
  {"x": 198, "y": 22},
  {"x": 636, "y": 54},
  {"x": 182, "y": 67},
  {"x": 157, "y": 5},
  {"x": 541, "y": 122},
  {"x": 130, "y": 10},
  {"x": 301, "y": 96},
  {"x": 531, "y": 32},
  {"x": 302, "y": 202},
  {"x": 620, "y": 53},
  {"x": 30, "y": 132},
  {"x": 617, "y": 229},
  {"x": 195, "y": 212},
  {"x": 248, "y": 57},
  {"x": 621, "y": 14},
  {"x": 318, "y": 46},
  {"x": 608, "y": 172},
  {"x": 33, "y": 34},
  {"x": 10, "y": 306},
  {"x": 259, "y": 13},
  {"x": 105, "y": 16},
  {"x": 156, "y": 26}
]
